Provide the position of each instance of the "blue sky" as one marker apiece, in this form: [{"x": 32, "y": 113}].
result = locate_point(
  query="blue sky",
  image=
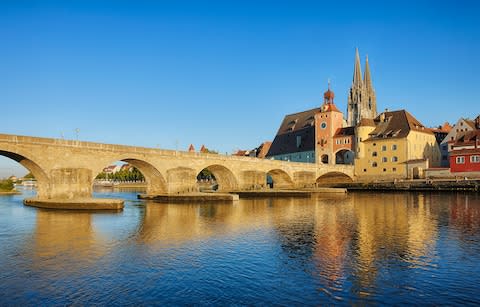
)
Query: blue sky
[{"x": 224, "y": 73}]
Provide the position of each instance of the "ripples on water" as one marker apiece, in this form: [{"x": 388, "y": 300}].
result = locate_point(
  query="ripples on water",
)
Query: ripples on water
[{"x": 396, "y": 248}]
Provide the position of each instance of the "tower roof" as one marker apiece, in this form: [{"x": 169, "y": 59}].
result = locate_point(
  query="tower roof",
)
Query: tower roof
[
  {"x": 357, "y": 70},
  {"x": 367, "y": 79},
  {"x": 329, "y": 95}
]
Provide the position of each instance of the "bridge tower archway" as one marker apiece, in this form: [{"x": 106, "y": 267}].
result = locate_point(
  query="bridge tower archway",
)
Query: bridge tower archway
[
  {"x": 41, "y": 177},
  {"x": 344, "y": 156}
]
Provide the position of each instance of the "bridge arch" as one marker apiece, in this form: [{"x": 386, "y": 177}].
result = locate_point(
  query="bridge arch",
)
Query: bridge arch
[
  {"x": 155, "y": 181},
  {"x": 333, "y": 178},
  {"x": 225, "y": 178},
  {"x": 279, "y": 179},
  {"x": 38, "y": 172}
]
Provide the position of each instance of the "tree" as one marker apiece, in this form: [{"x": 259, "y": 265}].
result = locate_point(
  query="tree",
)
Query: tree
[
  {"x": 29, "y": 176},
  {"x": 6, "y": 185}
]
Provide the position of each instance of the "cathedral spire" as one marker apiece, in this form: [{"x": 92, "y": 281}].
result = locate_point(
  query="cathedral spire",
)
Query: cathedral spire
[
  {"x": 367, "y": 79},
  {"x": 357, "y": 70}
]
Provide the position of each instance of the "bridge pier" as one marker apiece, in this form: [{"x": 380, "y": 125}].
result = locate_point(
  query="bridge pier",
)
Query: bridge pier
[
  {"x": 253, "y": 180},
  {"x": 71, "y": 188}
]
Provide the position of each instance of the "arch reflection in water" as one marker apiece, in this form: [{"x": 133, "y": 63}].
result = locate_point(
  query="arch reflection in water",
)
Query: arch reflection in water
[
  {"x": 362, "y": 247},
  {"x": 65, "y": 240}
]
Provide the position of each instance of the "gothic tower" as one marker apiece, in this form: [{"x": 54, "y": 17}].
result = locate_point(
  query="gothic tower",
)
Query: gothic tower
[
  {"x": 362, "y": 102},
  {"x": 370, "y": 103}
]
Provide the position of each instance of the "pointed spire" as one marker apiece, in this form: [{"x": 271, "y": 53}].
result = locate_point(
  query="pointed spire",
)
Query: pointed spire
[
  {"x": 367, "y": 79},
  {"x": 357, "y": 70}
]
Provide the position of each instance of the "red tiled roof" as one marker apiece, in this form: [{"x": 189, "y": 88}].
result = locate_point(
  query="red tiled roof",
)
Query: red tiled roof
[
  {"x": 465, "y": 152},
  {"x": 396, "y": 124},
  {"x": 345, "y": 131}
]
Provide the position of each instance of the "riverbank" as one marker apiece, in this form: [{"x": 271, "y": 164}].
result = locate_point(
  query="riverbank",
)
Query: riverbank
[{"x": 415, "y": 185}]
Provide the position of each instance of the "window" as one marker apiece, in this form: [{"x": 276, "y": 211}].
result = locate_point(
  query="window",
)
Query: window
[
  {"x": 384, "y": 148},
  {"x": 374, "y": 164},
  {"x": 374, "y": 144},
  {"x": 394, "y": 147},
  {"x": 364, "y": 170},
  {"x": 384, "y": 169},
  {"x": 394, "y": 159},
  {"x": 394, "y": 169},
  {"x": 299, "y": 141},
  {"x": 460, "y": 160},
  {"x": 384, "y": 159},
  {"x": 374, "y": 154},
  {"x": 475, "y": 159}
]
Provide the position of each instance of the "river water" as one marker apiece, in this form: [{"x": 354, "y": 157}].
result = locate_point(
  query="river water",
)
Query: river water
[{"x": 363, "y": 248}]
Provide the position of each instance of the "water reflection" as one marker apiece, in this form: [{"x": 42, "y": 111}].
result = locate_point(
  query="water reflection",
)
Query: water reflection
[
  {"x": 373, "y": 248},
  {"x": 63, "y": 240}
]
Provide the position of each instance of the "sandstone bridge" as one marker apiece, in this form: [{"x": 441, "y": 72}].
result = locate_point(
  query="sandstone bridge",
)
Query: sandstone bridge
[{"x": 66, "y": 169}]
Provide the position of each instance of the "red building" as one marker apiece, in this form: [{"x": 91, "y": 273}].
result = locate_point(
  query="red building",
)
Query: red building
[{"x": 465, "y": 154}]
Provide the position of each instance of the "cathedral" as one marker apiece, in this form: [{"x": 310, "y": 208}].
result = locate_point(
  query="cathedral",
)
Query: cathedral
[
  {"x": 362, "y": 102},
  {"x": 321, "y": 135}
]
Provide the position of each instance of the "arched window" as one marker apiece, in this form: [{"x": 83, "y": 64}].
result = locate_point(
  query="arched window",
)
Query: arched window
[
  {"x": 374, "y": 154},
  {"x": 374, "y": 164}
]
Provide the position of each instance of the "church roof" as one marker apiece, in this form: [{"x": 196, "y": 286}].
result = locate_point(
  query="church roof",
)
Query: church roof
[
  {"x": 298, "y": 124},
  {"x": 396, "y": 124},
  {"x": 297, "y": 121}
]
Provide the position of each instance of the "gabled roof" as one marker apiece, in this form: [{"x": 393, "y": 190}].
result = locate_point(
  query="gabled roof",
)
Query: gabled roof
[
  {"x": 469, "y": 151},
  {"x": 468, "y": 137},
  {"x": 298, "y": 121},
  {"x": 366, "y": 122},
  {"x": 470, "y": 122},
  {"x": 396, "y": 124},
  {"x": 301, "y": 124},
  {"x": 345, "y": 131}
]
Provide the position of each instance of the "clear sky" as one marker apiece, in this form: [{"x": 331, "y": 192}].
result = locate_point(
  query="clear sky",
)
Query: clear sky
[{"x": 224, "y": 73}]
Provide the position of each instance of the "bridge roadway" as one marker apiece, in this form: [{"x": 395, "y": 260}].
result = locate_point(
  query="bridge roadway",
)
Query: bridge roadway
[{"x": 66, "y": 169}]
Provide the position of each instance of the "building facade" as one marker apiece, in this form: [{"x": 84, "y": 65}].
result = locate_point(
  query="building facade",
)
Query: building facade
[
  {"x": 462, "y": 126},
  {"x": 394, "y": 145},
  {"x": 465, "y": 153},
  {"x": 314, "y": 136}
]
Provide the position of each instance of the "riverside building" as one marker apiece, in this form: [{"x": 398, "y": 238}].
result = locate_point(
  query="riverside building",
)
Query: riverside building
[{"x": 394, "y": 145}]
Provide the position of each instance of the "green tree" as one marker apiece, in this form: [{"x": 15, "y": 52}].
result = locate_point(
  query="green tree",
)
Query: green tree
[
  {"x": 29, "y": 176},
  {"x": 6, "y": 185}
]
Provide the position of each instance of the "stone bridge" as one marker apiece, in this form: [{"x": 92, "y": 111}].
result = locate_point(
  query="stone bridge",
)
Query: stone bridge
[{"x": 66, "y": 169}]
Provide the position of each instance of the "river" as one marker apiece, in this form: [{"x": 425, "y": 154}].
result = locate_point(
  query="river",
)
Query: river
[{"x": 362, "y": 248}]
